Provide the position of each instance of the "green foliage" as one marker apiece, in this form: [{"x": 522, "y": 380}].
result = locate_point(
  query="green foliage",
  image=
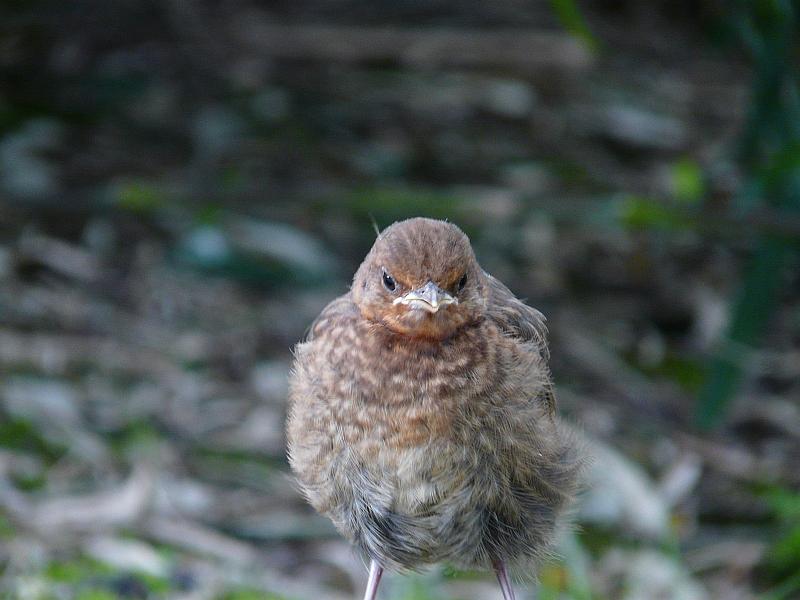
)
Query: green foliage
[
  {"x": 90, "y": 578},
  {"x": 568, "y": 578},
  {"x": 139, "y": 196},
  {"x": 686, "y": 372},
  {"x": 769, "y": 153},
  {"x": 95, "y": 594},
  {"x": 785, "y": 504},
  {"x": 22, "y": 435},
  {"x": 6, "y": 529},
  {"x": 782, "y": 560},
  {"x": 784, "y": 556},
  {"x": 639, "y": 212},
  {"x": 156, "y": 585},
  {"x": 250, "y": 594},
  {"x": 28, "y": 483},
  {"x": 81, "y": 577},
  {"x": 415, "y": 588},
  {"x": 137, "y": 438},
  {"x": 556, "y": 583},
  {"x": 757, "y": 301},
  {"x": 636, "y": 212},
  {"x": 687, "y": 181},
  {"x": 76, "y": 571},
  {"x": 571, "y": 18}
]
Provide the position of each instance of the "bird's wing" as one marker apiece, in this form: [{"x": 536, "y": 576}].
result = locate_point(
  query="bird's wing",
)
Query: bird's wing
[
  {"x": 521, "y": 321},
  {"x": 337, "y": 308},
  {"x": 515, "y": 317}
]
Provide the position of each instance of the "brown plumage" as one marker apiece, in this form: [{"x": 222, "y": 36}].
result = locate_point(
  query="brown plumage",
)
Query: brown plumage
[{"x": 422, "y": 415}]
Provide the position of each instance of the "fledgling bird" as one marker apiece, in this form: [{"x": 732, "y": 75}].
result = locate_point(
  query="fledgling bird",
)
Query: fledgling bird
[{"x": 422, "y": 415}]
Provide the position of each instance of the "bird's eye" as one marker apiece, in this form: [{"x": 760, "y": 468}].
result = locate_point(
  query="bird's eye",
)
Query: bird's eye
[
  {"x": 462, "y": 282},
  {"x": 388, "y": 281}
]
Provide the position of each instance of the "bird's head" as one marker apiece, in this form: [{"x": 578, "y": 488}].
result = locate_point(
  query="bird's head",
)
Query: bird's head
[{"x": 421, "y": 279}]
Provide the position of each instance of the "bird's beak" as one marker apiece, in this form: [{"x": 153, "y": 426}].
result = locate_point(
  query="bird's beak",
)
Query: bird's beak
[{"x": 429, "y": 297}]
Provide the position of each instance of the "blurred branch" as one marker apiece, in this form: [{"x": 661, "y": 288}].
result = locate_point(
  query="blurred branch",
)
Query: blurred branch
[
  {"x": 199, "y": 539},
  {"x": 435, "y": 48},
  {"x": 59, "y": 353},
  {"x": 113, "y": 507},
  {"x": 602, "y": 362},
  {"x": 67, "y": 259},
  {"x": 733, "y": 460}
]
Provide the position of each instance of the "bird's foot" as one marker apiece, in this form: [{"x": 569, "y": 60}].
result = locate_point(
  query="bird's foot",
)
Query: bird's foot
[
  {"x": 505, "y": 582},
  {"x": 375, "y": 573}
]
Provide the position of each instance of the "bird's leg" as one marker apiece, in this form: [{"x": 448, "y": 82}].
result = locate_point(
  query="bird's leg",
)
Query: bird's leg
[
  {"x": 375, "y": 572},
  {"x": 505, "y": 582}
]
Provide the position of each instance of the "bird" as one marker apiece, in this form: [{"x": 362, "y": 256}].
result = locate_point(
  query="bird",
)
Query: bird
[{"x": 422, "y": 414}]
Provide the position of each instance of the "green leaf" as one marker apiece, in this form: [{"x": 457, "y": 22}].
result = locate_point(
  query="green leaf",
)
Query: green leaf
[
  {"x": 786, "y": 590},
  {"x": 784, "y": 555},
  {"x": 139, "y": 196},
  {"x": 636, "y": 212},
  {"x": 756, "y": 303},
  {"x": 250, "y": 594},
  {"x": 687, "y": 181},
  {"x": 76, "y": 570},
  {"x": 576, "y": 560},
  {"x": 571, "y": 18},
  {"x": 6, "y": 528},
  {"x": 785, "y": 503},
  {"x": 95, "y": 594},
  {"x": 23, "y": 435},
  {"x": 769, "y": 150}
]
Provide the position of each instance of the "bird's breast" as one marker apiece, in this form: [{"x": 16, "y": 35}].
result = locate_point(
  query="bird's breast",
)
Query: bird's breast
[{"x": 390, "y": 391}]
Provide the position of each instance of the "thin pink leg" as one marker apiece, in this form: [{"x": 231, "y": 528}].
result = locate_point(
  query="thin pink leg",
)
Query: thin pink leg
[
  {"x": 505, "y": 582},
  {"x": 375, "y": 572}
]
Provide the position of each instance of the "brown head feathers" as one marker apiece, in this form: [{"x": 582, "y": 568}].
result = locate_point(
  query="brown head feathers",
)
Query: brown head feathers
[{"x": 421, "y": 279}]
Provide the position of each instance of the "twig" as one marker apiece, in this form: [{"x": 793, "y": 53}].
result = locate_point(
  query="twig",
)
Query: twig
[
  {"x": 199, "y": 539},
  {"x": 733, "y": 461},
  {"x": 67, "y": 259},
  {"x": 516, "y": 49},
  {"x": 107, "y": 508}
]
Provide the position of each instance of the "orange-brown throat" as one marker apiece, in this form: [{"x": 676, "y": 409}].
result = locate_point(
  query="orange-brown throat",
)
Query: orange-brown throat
[{"x": 417, "y": 324}]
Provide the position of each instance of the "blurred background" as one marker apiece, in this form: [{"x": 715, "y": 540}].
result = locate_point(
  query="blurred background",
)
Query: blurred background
[{"x": 185, "y": 184}]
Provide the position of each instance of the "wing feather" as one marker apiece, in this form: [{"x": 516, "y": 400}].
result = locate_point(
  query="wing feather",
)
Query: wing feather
[{"x": 521, "y": 321}]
